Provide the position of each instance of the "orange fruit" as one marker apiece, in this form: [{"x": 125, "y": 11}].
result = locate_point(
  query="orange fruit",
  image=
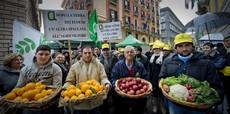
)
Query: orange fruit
[
  {"x": 84, "y": 87},
  {"x": 88, "y": 92}
]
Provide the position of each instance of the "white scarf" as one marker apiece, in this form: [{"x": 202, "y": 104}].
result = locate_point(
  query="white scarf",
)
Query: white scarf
[{"x": 159, "y": 59}]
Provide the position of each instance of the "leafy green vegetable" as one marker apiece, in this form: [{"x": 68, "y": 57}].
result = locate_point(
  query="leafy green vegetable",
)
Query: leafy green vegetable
[{"x": 203, "y": 92}]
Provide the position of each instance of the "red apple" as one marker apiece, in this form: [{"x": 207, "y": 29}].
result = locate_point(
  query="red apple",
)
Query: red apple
[
  {"x": 131, "y": 83},
  {"x": 127, "y": 84},
  {"x": 135, "y": 87},
  {"x": 138, "y": 81},
  {"x": 145, "y": 87},
  {"x": 138, "y": 92},
  {"x": 123, "y": 85},
  {"x": 134, "y": 82},
  {"x": 140, "y": 85},
  {"x": 131, "y": 92},
  {"x": 128, "y": 79},
  {"x": 123, "y": 90},
  {"x": 123, "y": 81}
]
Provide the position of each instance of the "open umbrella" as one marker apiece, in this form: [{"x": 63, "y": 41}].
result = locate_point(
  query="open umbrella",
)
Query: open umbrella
[
  {"x": 212, "y": 37},
  {"x": 130, "y": 40},
  {"x": 209, "y": 21}
]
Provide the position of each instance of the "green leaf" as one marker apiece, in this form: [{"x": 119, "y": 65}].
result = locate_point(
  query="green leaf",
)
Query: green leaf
[
  {"x": 19, "y": 49},
  {"x": 25, "y": 45},
  {"x": 32, "y": 44},
  {"x": 93, "y": 90},
  {"x": 78, "y": 86}
]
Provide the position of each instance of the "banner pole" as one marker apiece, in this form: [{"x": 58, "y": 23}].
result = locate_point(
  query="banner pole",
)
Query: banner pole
[{"x": 70, "y": 54}]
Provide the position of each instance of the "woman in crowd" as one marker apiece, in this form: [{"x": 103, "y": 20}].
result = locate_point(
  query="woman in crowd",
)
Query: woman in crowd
[{"x": 10, "y": 72}]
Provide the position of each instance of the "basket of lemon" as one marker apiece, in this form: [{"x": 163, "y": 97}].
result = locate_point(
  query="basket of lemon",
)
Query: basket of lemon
[
  {"x": 84, "y": 92},
  {"x": 31, "y": 96}
]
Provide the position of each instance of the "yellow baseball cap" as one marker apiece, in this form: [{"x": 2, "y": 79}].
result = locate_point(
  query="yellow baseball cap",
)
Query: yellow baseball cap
[
  {"x": 182, "y": 38},
  {"x": 121, "y": 50},
  {"x": 158, "y": 44},
  {"x": 167, "y": 47},
  {"x": 105, "y": 46}
]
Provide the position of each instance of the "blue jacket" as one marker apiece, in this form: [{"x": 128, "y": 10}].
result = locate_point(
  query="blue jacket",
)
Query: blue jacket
[
  {"x": 120, "y": 70},
  {"x": 197, "y": 67},
  {"x": 218, "y": 60},
  {"x": 8, "y": 79}
]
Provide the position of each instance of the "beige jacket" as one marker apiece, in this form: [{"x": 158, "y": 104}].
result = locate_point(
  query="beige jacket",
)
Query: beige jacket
[{"x": 81, "y": 71}]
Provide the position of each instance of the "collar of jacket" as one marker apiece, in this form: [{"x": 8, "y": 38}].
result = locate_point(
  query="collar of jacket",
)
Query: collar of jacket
[
  {"x": 124, "y": 64},
  {"x": 94, "y": 60},
  {"x": 43, "y": 66},
  {"x": 196, "y": 56},
  {"x": 8, "y": 69}
]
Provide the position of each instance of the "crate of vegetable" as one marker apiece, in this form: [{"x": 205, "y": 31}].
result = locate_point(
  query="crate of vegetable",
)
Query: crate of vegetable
[
  {"x": 188, "y": 91},
  {"x": 133, "y": 87}
]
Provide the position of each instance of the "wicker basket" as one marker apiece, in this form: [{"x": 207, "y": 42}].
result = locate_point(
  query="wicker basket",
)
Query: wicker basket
[
  {"x": 143, "y": 95},
  {"x": 72, "y": 103},
  {"x": 33, "y": 104},
  {"x": 184, "y": 103}
]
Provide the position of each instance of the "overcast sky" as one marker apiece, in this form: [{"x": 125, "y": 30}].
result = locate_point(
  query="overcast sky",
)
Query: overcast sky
[{"x": 177, "y": 6}]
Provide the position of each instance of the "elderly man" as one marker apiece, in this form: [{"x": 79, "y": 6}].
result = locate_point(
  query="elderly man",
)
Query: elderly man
[
  {"x": 85, "y": 69},
  {"x": 128, "y": 67},
  {"x": 188, "y": 62}
]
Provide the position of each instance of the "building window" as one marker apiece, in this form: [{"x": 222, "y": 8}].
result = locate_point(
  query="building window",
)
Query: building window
[
  {"x": 113, "y": 15},
  {"x": 144, "y": 26},
  {"x": 147, "y": 6},
  {"x": 135, "y": 9},
  {"x": 127, "y": 20},
  {"x": 142, "y": 2},
  {"x": 135, "y": 24},
  {"x": 172, "y": 27},
  {"x": 126, "y": 4},
  {"x": 143, "y": 40},
  {"x": 142, "y": 14},
  {"x": 163, "y": 26}
]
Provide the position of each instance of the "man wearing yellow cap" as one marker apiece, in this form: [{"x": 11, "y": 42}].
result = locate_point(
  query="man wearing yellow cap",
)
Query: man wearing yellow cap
[
  {"x": 108, "y": 60},
  {"x": 167, "y": 50},
  {"x": 188, "y": 62}
]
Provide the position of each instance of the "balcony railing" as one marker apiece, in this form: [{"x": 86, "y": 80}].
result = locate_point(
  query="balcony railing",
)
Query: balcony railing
[{"x": 114, "y": 2}]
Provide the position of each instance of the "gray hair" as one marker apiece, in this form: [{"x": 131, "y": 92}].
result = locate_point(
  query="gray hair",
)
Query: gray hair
[{"x": 129, "y": 48}]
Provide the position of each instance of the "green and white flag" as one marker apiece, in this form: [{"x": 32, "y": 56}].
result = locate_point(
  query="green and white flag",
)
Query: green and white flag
[
  {"x": 93, "y": 20},
  {"x": 25, "y": 41}
]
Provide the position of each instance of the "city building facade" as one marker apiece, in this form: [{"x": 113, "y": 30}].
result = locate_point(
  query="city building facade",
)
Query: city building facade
[
  {"x": 10, "y": 10},
  {"x": 170, "y": 25},
  {"x": 137, "y": 17}
]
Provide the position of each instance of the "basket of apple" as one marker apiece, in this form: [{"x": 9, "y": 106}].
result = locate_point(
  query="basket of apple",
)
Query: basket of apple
[{"x": 133, "y": 87}]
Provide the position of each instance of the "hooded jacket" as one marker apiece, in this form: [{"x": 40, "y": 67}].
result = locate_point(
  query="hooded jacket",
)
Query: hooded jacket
[
  {"x": 81, "y": 71},
  {"x": 48, "y": 74}
]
